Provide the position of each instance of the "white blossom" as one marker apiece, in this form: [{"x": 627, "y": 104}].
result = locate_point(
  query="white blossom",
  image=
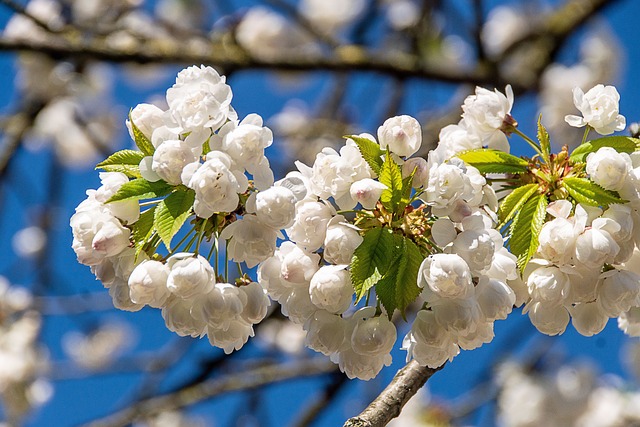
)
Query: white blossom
[
  {"x": 402, "y": 135},
  {"x": 341, "y": 241},
  {"x": 331, "y": 289},
  {"x": 148, "y": 284},
  {"x": 608, "y": 168},
  {"x": 367, "y": 192},
  {"x": 200, "y": 98},
  {"x": 249, "y": 240},
  {"x": 190, "y": 275},
  {"x": 447, "y": 275},
  {"x": 276, "y": 207},
  {"x": 599, "y": 108},
  {"x": 310, "y": 225}
]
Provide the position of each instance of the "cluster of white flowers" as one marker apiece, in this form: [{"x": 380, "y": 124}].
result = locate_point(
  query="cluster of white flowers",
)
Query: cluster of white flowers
[
  {"x": 579, "y": 270},
  {"x": 184, "y": 285},
  {"x": 22, "y": 362},
  {"x": 570, "y": 396}
]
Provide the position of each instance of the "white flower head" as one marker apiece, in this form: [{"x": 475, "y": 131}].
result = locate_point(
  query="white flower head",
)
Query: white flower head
[
  {"x": 330, "y": 288},
  {"x": 485, "y": 113},
  {"x": 367, "y": 192},
  {"x": 402, "y": 135},
  {"x": 310, "y": 225},
  {"x": 341, "y": 241},
  {"x": 216, "y": 184},
  {"x": 599, "y": 108},
  {"x": 148, "y": 284},
  {"x": 447, "y": 275},
  {"x": 249, "y": 240},
  {"x": 608, "y": 168},
  {"x": 190, "y": 276},
  {"x": 200, "y": 98},
  {"x": 276, "y": 207}
]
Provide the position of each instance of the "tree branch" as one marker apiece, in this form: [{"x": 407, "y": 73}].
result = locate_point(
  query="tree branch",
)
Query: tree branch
[
  {"x": 389, "y": 403},
  {"x": 245, "y": 380}
]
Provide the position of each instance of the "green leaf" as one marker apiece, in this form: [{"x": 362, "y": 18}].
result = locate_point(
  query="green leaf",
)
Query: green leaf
[
  {"x": 493, "y": 161},
  {"x": 130, "y": 171},
  {"x": 399, "y": 286},
  {"x": 142, "y": 229},
  {"x": 371, "y": 260},
  {"x": 622, "y": 144},
  {"x": 543, "y": 138},
  {"x": 585, "y": 191},
  {"x": 141, "y": 140},
  {"x": 370, "y": 151},
  {"x": 391, "y": 176},
  {"x": 140, "y": 188},
  {"x": 171, "y": 214},
  {"x": 122, "y": 157},
  {"x": 526, "y": 227},
  {"x": 511, "y": 204},
  {"x": 124, "y": 161}
]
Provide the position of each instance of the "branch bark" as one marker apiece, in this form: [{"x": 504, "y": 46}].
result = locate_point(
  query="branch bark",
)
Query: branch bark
[{"x": 390, "y": 402}]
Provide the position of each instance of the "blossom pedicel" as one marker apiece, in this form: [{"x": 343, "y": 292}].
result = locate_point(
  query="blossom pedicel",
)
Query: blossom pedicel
[{"x": 370, "y": 231}]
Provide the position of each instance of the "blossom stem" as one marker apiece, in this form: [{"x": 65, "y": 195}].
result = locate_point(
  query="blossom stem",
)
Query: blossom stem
[
  {"x": 183, "y": 240},
  {"x": 529, "y": 141},
  {"x": 586, "y": 134},
  {"x": 200, "y": 236},
  {"x": 226, "y": 262}
]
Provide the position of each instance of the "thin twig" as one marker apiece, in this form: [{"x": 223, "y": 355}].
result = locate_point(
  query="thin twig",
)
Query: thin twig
[{"x": 246, "y": 380}]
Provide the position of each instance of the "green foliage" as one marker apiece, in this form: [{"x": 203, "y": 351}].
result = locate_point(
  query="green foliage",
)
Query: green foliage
[
  {"x": 391, "y": 176},
  {"x": 140, "y": 188},
  {"x": 125, "y": 161},
  {"x": 371, "y": 152},
  {"x": 543, "y": 139},
  {"x": 526, "y": 227},
  {"x": 622, "y": 144},
  {"x": 143, "y": 228},
  {"x": 512, "y": 204},
  {"x": 371, "y": 260},
  {"x": 589, "y": 193},
  {"x": 171, "y": 213},
  {"x": 141, "y": 140},
  {"x": 399, "y": 286},
  {"x": 493, "y": 161}
]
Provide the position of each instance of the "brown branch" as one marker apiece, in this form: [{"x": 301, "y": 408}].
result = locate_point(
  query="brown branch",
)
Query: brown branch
[
  {"x": 389, "y": 403},
  {"x": 246, "y": 380}
]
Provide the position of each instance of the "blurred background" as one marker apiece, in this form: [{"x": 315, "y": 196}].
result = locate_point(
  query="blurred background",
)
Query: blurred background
[{"x": 315, "y": 70}]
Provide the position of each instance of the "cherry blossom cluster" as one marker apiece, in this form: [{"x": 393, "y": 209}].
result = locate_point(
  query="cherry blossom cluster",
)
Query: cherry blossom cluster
[
  {"x": 209, "y": 163},
  {"x": 368, "y": 230},
  {"x": 462, "y": 266},
  {"x": 580, "y": 269}
]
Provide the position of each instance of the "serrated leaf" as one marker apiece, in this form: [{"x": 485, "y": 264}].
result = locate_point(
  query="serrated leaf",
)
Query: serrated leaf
[
  {"x": 391, "y": 176},
  {"x": 141, "y": 140},
  {"x": 587, "y": 192},
  {"x": 407, "y": 289},
  {"x": 142, "y": 229},
  {"x": 386, "y": 287},
  {"x": 407, "y": 186},
  {"x": 370, "y": 151},
  {"x": 493, "y": 161},
  {"x": 131, "y": 171},
  {"x": 171, "y": 213},
  {"x": 399, "y": 286},
  {"x": 511, "y": 204},
  {"x": 543, "y": 139},
  {"x": 622, "y": 144},
  {"x": 140, "y": 188},
  {"x": 371, "y": 260},
  {"x": 526, "y": 227},
  {"x": 122, "y": 157}
]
